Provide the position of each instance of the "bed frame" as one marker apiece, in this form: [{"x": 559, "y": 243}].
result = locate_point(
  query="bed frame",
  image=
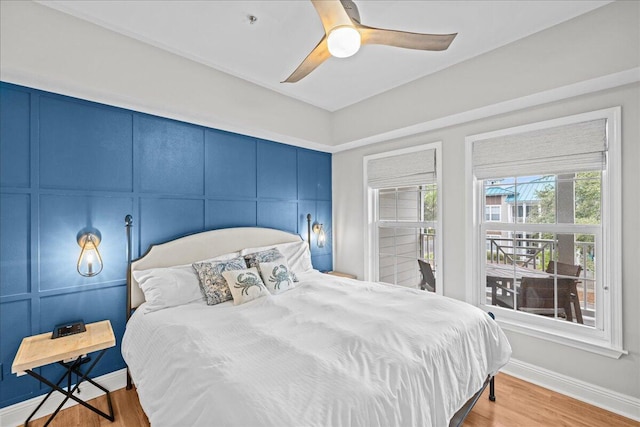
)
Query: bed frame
[
  {"x": 209, "y": 244},
  {"x": 196, "y": 247}
]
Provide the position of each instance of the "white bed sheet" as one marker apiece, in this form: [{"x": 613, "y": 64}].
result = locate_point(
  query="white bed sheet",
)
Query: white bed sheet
[{"x": 331, "y": 352}]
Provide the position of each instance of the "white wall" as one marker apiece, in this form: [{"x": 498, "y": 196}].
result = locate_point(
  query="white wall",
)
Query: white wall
[
  {"x": 621, "y": 375},
  {"x": 50, "y": 50},
  {"x": 597, "y": 44}
]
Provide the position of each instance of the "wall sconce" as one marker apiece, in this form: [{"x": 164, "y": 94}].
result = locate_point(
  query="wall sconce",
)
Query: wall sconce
[
  {"x": 89, "y": 261},
  {"x": 317, "y": 229}
]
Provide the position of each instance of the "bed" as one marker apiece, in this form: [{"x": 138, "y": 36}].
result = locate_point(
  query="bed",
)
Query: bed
[{"x": 330, "y": 351}]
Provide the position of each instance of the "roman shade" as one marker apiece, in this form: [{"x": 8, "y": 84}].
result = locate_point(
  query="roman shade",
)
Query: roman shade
[
  {"x": 416, "y": 168},
  {"x": 575, "y": 147}
]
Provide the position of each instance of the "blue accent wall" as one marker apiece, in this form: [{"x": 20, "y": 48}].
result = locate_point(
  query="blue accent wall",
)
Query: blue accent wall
[{"x": 67, "y": 164}]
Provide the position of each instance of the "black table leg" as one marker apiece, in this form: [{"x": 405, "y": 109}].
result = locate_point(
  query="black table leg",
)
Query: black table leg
[
  {"x": 45, "y": 399},
  {"x": 73, "y": 367}
]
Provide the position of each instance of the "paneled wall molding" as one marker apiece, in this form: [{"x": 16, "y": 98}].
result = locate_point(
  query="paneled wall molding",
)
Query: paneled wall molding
[
  {"x": 601, "y": 397},
  {"x": 68, "y": 164}
]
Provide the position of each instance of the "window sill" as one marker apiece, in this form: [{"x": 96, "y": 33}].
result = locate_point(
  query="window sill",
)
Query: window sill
[{"x": 590, "y": 344}]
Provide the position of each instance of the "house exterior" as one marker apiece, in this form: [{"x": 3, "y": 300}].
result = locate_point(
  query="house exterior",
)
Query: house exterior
[{"x": 513, "y": 203}]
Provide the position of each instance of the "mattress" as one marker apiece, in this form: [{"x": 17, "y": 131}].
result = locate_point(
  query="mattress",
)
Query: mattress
[{"x": 331, "y": 352}]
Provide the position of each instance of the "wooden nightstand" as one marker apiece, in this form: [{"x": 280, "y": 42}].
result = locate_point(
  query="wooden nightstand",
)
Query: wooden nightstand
[
  {"x": 71, "y": 353},
  {"x": 339, "y": 274}
]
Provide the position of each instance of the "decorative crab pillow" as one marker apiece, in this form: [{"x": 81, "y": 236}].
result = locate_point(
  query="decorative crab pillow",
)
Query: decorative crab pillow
[
  {"x": 245, "y": 285},
  {"x": 276, "y": 276},
  {"x": 269, "y": 255},
  {"x": 212, "y": 283}
]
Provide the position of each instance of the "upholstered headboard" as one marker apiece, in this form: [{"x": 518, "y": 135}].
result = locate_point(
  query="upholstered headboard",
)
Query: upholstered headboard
[{"x": 197, "y": 247}]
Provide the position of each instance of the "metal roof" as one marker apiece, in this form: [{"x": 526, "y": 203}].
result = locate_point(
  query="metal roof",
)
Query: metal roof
[
  {"x": 498, "y": 191},
  {"x": 528, "y": 191}
]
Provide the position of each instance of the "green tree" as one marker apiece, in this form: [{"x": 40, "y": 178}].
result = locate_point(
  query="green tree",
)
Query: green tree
[
  {"x": 587, "y": 200},
  {"x": 430, "y": 213},
  {"x": 546, "y": 213},
  {"x": 430, "y": 203}
]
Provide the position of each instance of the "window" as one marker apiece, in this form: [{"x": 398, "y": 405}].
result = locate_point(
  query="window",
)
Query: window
[
  {"x": 403, "y": 207},
  {"x": 406, "y": 232},
  {"x": 550, "y": 267},
  {"x": 492, "y": 212}
]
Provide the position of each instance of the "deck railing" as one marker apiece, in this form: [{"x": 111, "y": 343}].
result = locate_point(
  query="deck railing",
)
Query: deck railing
[
  {"x": 428, "y": 245},
  {"x": 524, "y": 252},
  {"x": 536, "y": 254}
]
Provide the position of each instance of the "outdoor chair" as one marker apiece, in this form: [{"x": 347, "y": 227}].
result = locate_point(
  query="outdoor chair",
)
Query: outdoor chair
[
  {"x": 428, "y": 281},
  {"x": 563, "y": 269},
  {"x": 537, "y": 293},
  {"x": 502, "y": 291}
]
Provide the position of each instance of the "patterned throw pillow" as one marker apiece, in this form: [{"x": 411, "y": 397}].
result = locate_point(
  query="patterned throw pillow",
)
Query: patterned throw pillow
[
  {"x": 270, "y": 255},
  {"x": 245, "y": 285},
  {"x": 212, "y": 283},
  {"x": 276, "y": 276}
]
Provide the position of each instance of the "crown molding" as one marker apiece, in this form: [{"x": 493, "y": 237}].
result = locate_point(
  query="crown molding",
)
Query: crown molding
[{"x": 585, "y": 87}]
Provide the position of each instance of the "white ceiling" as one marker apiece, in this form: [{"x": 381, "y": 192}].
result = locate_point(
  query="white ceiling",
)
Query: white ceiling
[{"x": 218, "y": 34}]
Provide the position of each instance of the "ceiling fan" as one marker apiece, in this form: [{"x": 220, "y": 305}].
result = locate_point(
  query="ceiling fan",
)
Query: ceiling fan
[{"x": 344, "y": 34}]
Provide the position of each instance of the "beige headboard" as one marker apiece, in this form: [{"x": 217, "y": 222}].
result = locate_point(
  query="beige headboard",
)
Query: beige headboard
[{"x": 197, "y": 247}]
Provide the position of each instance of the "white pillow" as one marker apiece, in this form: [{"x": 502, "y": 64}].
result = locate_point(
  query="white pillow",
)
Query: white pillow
[
  {"x": 168, "y": 287},
  {"x": 172, "y": 286},
  {"x": 297, "y": 255},
  {"x": 276, "y": 276},
  {"x": 245, "y": 285}
]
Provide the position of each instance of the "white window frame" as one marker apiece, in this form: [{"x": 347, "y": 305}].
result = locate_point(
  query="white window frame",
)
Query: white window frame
[
  {"x": 371, "y": 211},
  {"x": 606, "y": 338}
]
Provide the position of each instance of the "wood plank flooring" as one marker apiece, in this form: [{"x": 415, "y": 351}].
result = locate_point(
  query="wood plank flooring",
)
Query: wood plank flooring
[
  {"x": 126, "y": 409},
  {"x": 518, "y": 403}
]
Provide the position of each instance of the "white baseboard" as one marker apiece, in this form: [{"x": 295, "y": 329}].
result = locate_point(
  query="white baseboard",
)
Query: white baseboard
[
  {"x": 15, "y": 415},
  {"x": 622, "y": 404}
]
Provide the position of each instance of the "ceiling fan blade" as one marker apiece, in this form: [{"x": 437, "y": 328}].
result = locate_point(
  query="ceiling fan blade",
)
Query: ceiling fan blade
[
  {"x": 318, "y": 55},
  {"x": 405, "y": 39},
  {"x": 332, "y": 14}
]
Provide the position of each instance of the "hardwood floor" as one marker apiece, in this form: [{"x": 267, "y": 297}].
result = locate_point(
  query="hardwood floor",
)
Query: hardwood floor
[
  {"x": 126, "y": 409},
  {"x": 518, "y": 403}
]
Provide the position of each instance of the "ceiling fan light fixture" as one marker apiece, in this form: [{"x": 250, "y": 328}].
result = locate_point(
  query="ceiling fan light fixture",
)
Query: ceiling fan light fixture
[
  {"x": 343, "y": 41},
  {"x": 344, "y": 33}
]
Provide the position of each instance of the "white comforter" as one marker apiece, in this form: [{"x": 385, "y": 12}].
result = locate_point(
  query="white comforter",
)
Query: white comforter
[{"x": 332, "y": 352}]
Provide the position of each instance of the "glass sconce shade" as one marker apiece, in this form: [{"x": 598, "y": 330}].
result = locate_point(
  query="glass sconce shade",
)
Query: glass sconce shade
[
  {"x": 322, "y": 237},
  {"x": 317, "y": 229},
  {"x": 89, "y": 261}
]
